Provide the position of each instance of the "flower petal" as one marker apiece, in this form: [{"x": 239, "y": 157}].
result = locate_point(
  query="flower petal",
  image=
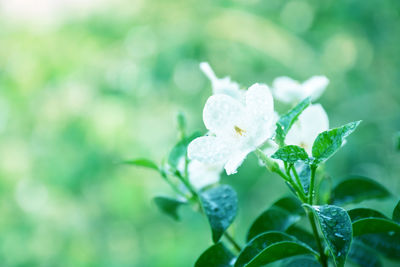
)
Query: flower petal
[
  {"x": 315, "y": 86},
  {"x": 201, "y": 174},
  {"x": 311, "y": 122},
  {"x": 287, "y": 90},
  {"x": 209, "y": 149},
  {"x": 222, "y": 85},
  {"x": 222, "y": 113},
  {"x": 235, "y": 161},
  {"x": 316, "y": 119},
  {"x": 259, "y": 101}
]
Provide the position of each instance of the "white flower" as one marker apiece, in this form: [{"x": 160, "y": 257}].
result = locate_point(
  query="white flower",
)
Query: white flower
[
  {"x": 311, "y": 122},
  {"x": 200, "y": 174},
  {"x": 203, "y": 174},
  {"x": 288, "y": 90},
  {"x": 238, "y": 128},
  {"x": 222, "y": 85}
]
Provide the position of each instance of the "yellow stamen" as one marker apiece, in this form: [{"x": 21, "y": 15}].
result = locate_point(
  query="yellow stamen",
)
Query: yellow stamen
[{"x": 239, "y": 131}]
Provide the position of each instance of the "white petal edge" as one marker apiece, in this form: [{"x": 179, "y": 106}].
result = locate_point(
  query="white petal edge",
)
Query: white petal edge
[
  {"x": 286, "y": 89},
  {"x": 259, "y": 101},
  {"x": 235, "y": 161},
  {"x": 221, "y": 113},
  {"x": 202, "y": 174},
  {"x": 209, "y": 149},
  {"x": 315, "y": 86},
  {"x": 208, "y": 71}
]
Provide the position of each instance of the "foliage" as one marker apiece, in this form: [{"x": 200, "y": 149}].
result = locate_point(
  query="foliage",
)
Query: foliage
[{"x": 84, "y": 86}]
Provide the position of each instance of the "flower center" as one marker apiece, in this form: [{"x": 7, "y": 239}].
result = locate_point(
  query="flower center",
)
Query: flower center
[
  {"x": 239, "y": 131},
  {"x": 303, "y": 145}
]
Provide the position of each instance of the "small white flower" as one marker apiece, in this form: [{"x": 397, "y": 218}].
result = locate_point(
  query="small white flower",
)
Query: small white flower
[
  {"x": 311, "y": 122},
  {"x": 238, "y": 128},
  {"x": 200, "y": 174},
  {"x": 288, "y": 90},
  {"x": 222, "y": 85},
  {"x": 203, "y": 174}
]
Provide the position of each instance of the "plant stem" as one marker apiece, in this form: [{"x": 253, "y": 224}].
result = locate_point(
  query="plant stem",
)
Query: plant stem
[
  {"x": 312, "y": 183},
  {"x": 172, "y": 185},
  {"x": 300, "y": 193},
  {"x": 232, "y": 241},
  {"x": 322, "y": 256},
  {"x": 186, "y": 182},
  {"x": 297, "y": 177}
]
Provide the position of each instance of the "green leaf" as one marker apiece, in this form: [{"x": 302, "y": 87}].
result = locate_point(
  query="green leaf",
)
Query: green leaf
[
  {"x": 290, "y": 204},
  {"x": 336, "y": 228},
  {"x": 291, "y": 154},
  {"x": 302, "y": 261},
  {"x": 169, "y": 206},
  {"x": 215, "y": 256},
  {"x": 373, "y": 229},
  {"x": 269, "y": 247},
  {"x": 178, "y": 152},
  {"x": 220, "y": 206},
  {"x": 374, "y": 226},
  {"x": 281, "y": 215},
  {"x": 396, "y": 213},
  {"x": 142, "y": 163},
  {"x": 303, "y": 236},
  {"x": 327, "y": 143},
  {"x": 356, "y": 189},
  {"x": 361, "y": 213},
  {"x": 363, "y": 255},
  {"x": 387, "y": 244},
  {"x": 286, "y": 121}
]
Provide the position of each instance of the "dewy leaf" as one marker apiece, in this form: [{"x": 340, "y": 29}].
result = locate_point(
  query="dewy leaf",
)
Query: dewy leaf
[
  {"x": 269, "y": 247},
  {"x": 387, "y": 244},
  {"x": 220, "y": 206},
  {"x": 356, "y": 189},
  {"x": 327, "y": 143},
  {"x": 374, "y": 226},
  {"x": 286, "y": 121},
  {"x": 280, "y": 216},
  {"x": 303, "y": 236},
  {"x": 361, "y": 213},
  {"x": 336, "y": 228},
  {"x": 376, "y": 231},
  {"x": 303, "y": 261},
  {"x": 291, "y": 154},
  {"x": 396, "y": 213},
  {"x": 215, "y": 256},
  {"x": 142, "y": 163},
  {"x": 290, "y": 204},
  {"x": 169, "y": 206},
  {"x": 363, "y": 256}
]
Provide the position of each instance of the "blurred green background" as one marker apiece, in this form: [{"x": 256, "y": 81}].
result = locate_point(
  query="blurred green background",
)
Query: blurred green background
[{"x": 84, "y": 84}]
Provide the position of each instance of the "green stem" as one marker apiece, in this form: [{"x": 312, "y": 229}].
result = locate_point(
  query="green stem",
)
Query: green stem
[
  {"x": 232, "y": 241},
  {"x": 297, "y": 177},
  {"x": 300, "y": 193},
  {"x": 172, "y": 185},
  {"x": 186, "y": 182},
  {"x": 322, "y": 257},
  {"x": 312, "y": 183}
]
